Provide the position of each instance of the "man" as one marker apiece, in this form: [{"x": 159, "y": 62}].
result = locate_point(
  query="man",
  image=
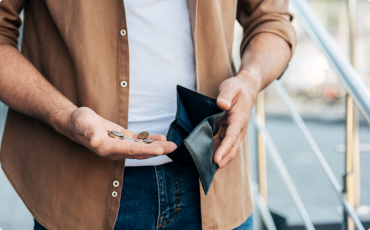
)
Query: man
[{"x": 89, "y": 66}]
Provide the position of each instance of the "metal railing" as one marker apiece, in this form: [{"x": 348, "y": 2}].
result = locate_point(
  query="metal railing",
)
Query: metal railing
[
  {"x": 358, "y": 94},
  {"x": 261, "y": 128},
  {"x": 323, "y": 40}
]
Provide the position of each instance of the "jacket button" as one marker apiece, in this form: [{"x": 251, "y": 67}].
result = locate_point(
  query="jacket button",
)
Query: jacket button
[
  {"x": 123, "y": 84},
  {"x": 123, "y": 32},
  {"x": 114, "y": 194},
  {"x": 115, "y": 183}
]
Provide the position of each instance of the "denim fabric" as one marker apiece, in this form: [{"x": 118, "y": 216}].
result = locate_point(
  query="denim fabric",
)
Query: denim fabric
[
  {"x": 161, "y": 197},
  {"x": 247, "y": 225}
]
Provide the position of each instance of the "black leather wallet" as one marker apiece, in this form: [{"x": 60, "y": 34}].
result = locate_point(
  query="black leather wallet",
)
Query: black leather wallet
[{"x": 197, "y": 121}]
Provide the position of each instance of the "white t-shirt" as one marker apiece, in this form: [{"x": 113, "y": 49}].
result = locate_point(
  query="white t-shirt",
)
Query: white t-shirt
[{"x": 161, "y": 57}]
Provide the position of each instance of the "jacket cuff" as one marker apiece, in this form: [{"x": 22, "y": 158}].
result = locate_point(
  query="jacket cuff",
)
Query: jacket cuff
[
  {"x": 281, "y": 28},
  {"x": 8, "y": 41}
]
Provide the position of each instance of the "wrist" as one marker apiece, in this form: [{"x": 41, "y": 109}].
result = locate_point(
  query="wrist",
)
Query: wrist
[
  {"x": 61, "y": 121},
  {"x": 252, "y": 77}
]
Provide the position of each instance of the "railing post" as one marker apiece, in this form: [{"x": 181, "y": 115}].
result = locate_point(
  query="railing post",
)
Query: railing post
[
  {"x": 352, "y": 177},
  {"x": 261, "y": 148},
  {"x": 352, "y": 174}
]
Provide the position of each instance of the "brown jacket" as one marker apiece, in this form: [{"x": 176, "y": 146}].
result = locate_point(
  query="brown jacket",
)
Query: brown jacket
[{"x": 78, "y": 46}]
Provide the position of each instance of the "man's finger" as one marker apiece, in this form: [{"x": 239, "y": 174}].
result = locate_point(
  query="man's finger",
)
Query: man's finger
[
  {"x": 217, "y": 142},
  {"x": 126, "y": 132},
  {"x": 232, "y": 153},
  {"x": 222, "y": 132},
  {"x": 156, "y": 137},
  {"x": 225, "y": 118},
  {"x": 231, "y": 137},
  {"x": 227, "y": 93},
  {"x": 226, "y": 159},
  {"x": 229, "y": 157},
  {"x": 167, "y": 146},
  {"x": 126, "y": 147},
  {"x": 136, "y": 150}
]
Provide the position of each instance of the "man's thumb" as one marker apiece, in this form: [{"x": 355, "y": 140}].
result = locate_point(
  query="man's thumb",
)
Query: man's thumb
[
  {"x": 226, "y": 96},
  {"x": 96, "y": 137}
]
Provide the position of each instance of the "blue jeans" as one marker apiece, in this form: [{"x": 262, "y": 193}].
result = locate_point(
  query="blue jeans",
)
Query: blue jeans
[{"x": 161, "y": 197}]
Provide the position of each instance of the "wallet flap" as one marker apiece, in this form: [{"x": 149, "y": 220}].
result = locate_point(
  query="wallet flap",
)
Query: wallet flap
[{"x": 201, "y": 146}]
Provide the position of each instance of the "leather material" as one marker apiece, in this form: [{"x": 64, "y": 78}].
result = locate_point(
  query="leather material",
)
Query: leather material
[{"x": 197, "y": 121}]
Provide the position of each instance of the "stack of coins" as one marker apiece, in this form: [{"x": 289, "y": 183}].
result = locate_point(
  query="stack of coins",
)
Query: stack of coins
[
  {"x": 142, "y": 137},
  {"x": 115, "y": 134}
]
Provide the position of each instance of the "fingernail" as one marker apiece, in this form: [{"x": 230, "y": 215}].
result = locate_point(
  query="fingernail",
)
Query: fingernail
[
  {"x": 227, "y": 102},
  {"x": 219, "y": 160}
]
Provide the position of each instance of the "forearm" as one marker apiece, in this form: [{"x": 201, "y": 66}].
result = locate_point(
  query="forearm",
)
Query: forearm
[
  {"x": 24, "y": 89},
  {"x": 264, "y": 59}
]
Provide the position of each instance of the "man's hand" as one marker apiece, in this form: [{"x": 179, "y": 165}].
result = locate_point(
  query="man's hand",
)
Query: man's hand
[
  {"x": 263, "y": 61},
  {"x": 237, "y": 96},
  {"x": 27, "y": 91},
  {"x": 90, "y": 130}
]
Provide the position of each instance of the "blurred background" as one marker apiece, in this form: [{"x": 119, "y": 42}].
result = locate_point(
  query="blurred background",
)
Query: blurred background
[{"x": 320, "y": 99}]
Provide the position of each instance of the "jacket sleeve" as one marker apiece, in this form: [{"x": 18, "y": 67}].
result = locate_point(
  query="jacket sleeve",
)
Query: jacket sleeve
[
  {"x": 272, "y": 16},
  {"x": 10, "y": 21}
]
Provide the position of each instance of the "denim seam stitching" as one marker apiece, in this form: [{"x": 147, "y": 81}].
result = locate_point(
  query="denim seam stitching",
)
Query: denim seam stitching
[
  {"x": 159, "y": 195},
  {"x": 178, "y": 206}
]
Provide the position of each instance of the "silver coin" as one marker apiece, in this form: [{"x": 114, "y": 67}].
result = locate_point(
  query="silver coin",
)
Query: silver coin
[
  {"x": 148, "y": 141},
  {"x": 128, "y": 139},
  {"x": 117, "y": 133}
]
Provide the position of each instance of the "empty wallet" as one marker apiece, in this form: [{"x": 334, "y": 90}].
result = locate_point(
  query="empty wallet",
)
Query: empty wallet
[{"x": 197, "y": 121}]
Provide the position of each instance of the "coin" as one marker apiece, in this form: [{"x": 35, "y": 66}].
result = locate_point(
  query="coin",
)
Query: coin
[
  {"x": 148, "y": 141},
  {"x": 115, "y": 137},
  {"x": 143, "y": 135},
  {"x": 139, "y": 141},
  {"x": 112, "y": 135},
  {"x": 117, "y": 133},
  {"x": 128, "y": 139}
]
